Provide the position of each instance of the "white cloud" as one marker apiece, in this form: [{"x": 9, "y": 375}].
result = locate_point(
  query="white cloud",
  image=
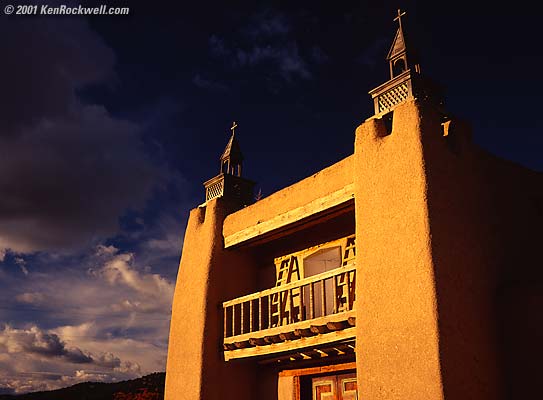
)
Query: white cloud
[
  {"x": 34, "y": 359},
  {"x": 119, "y": 271},
  {"x": 116, "y": 324}
]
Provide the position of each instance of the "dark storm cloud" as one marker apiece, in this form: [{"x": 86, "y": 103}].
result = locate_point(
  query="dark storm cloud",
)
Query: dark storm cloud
[
  {"x": 42, "y": 63},
  {"x": 77, "y": 356},
  {"x": 108, "y": 360},
  {"x": 37, "y": 342},
  {"x": 67, "y": 169},
  {"x": 35, "y": 359}
]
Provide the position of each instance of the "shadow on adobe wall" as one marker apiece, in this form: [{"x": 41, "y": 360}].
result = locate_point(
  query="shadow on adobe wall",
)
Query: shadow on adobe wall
[{"x": 485, "y": 222}]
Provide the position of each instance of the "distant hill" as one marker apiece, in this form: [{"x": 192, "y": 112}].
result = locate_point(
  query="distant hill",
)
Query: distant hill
[{"x": 149, "y": 387}]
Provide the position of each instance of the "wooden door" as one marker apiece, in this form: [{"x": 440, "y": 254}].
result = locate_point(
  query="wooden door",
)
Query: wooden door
[
  {"x": 335, "y": 387},
  {"x": 347, "y": 387}
]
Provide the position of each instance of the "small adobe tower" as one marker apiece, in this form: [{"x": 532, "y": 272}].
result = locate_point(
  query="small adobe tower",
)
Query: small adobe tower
[{"x": 407, "y": 270}]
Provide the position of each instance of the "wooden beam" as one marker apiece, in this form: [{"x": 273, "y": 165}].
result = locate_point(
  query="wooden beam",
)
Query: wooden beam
[
  {"x": 319, "y": 370},
  {"x": 333, "y": 199},
  {"x": 295, "y": 356},
  {"x": 288, "y": 336},
  {"x": 303, "y": 332},
  {"x": 322, "y": 353},
  {"x": 319, "y": 329},
  {"x": 256, "y": 342},
  {"x": 336, "y": 326},
  {"x": 272, "y": 339},
  {"x": 300, "y": 345},
  {"x": 345, "y": 348}
]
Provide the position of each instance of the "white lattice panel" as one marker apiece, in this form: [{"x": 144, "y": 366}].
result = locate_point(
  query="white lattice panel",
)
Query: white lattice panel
[
  {"x": 215, "y": 190},
  {"x": 393, "y": 97}
]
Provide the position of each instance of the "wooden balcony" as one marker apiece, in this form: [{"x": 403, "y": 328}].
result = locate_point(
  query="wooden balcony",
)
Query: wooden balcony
[{"x": 303, "y": 314}]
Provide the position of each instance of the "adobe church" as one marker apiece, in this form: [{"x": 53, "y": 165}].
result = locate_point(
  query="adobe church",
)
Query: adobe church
[{"x": 409, "y": 270}]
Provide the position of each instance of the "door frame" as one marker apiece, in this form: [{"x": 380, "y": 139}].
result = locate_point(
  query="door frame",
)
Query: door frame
[{"x": 297, "y": 374}]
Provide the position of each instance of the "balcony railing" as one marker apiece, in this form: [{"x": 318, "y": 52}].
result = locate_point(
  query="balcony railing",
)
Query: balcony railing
[{"x": 306, "y": 307}]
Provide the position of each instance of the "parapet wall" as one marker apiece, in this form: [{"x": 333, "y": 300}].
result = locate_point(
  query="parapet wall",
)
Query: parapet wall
[{"x": 321, "y": 184}]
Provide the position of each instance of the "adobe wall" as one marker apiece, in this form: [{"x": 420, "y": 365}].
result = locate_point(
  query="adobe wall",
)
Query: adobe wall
[
  {"x": 208, "y": 275},
  {"x": 318, "y": 185},
  {"x": 450, "y": 279},
  {"x": 486, "y": 238},
  {"x": 397, "y": 345},
  {"x": 465, "y": 253}
]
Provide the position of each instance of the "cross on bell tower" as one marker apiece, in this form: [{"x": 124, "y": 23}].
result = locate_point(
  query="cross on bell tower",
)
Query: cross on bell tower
[
  {"x": 399, "y": 17},
  {"x": 229, "y": 183}
]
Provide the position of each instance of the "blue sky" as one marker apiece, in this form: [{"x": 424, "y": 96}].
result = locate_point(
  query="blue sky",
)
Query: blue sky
[{"x": 109, "y": 126}]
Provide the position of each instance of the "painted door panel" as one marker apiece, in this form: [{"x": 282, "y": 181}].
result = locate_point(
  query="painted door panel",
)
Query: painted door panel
[{"x": 335, "y": 387}]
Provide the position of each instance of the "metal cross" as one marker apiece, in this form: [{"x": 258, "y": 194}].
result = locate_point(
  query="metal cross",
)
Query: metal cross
[
  {"x": 234, "y": 126},
  {"x": 399, "y": 17}
]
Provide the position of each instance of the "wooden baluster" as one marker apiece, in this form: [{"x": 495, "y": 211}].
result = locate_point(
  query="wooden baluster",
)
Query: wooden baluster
[
  {"x": 241, "y": 319},
  {"x": 350, "y": 282},
  {"x": 293, "y": 316},
  {"x": 334, "y": 294},
  {"x": 270, "y": 310},
  {"x": 323, "y": 297},
  {"x": 281, "y": 308},
  {"x": 311, "y": 300},
  {"x": 353, "y": 293},
  {"x": 290, "y": 304},
  {"x": 250, "y": 315},
  {"x": 224, "y": 310},
  {"x": 287, "y": 300},
  {"x": 259, "y": 313},
  {"x": 234, "y": 320},
  {"x": 348, "y": 289},
  {"x": 302, "y": 305}
]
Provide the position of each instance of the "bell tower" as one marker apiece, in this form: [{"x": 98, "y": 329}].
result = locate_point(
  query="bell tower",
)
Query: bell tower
[
  {"x": 397, "y": 55},
  {"x": 229, "y": 182},
  {"x": 406, "y": 81},
  {"x": 232, "y": 157}
]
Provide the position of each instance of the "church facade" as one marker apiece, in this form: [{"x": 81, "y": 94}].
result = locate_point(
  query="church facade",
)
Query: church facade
[{"x": 409, "y": 270}]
